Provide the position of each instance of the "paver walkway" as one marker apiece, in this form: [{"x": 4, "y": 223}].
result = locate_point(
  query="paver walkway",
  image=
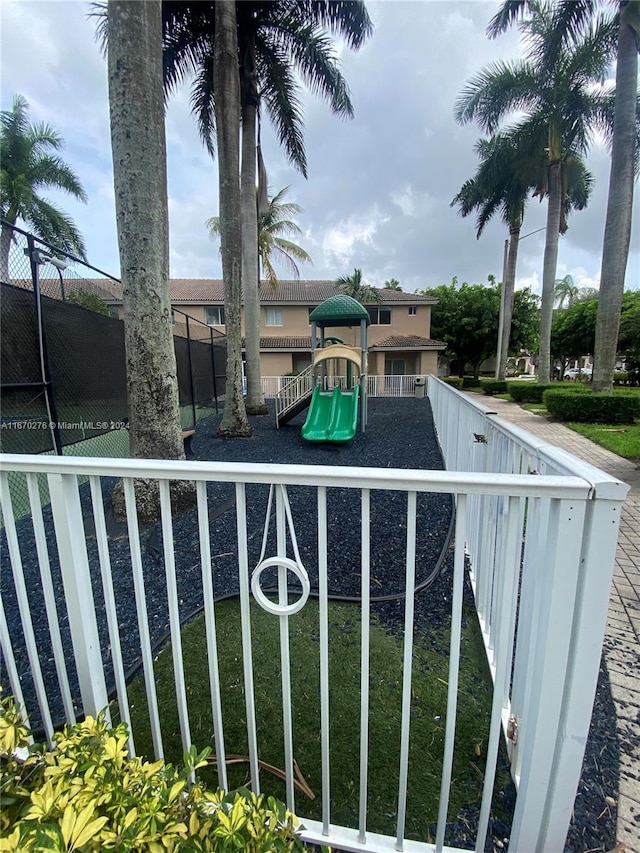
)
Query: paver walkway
[{"x": 622, "y": 641}]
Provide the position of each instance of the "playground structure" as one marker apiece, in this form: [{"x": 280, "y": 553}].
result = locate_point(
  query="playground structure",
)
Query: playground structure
[{"x": 338, "y": 399}]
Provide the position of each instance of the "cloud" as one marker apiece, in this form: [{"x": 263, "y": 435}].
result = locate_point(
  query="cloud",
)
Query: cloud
[{"x": 380, "y": 186}]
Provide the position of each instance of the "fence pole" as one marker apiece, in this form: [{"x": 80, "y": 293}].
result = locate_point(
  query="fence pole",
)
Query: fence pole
[
  {"x": 76, "y": 579},
  {"x": 191, "y": 386},
  {"x": 213, "y": 369},
  {"x": 45, "y": 366}
]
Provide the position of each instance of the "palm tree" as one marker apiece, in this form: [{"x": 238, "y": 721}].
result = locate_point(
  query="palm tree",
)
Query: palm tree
[
  {"x": 511, "y": 167},
  {"x": 392, "y": 284},
  {"x": 273, "y": 37},
  {"x": 272, "y": 223},
  {"x": 29, "y": 163},
  {"x": 617, "y": 231},
  {"x": 352, "y": 285},
  {"x": 565, "y": 289},
  {"x": 573, "y": 18},
  {"x": 226, "y": 83},
  {"x": 140, "y": 181},
  {"x": 557, "y": 93}
]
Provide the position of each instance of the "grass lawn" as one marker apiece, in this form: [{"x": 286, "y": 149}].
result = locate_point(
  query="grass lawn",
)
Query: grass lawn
[
  {"x": 428, "y": 712},
  {"x": 623, "y": 440}
]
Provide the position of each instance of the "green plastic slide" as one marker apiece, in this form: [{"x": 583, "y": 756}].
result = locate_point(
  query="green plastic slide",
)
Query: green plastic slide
[{"x": 333, "y": 415}]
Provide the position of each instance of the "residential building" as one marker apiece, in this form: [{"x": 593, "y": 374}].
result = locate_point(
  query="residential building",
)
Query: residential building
[{"x": 399, "y": 335}]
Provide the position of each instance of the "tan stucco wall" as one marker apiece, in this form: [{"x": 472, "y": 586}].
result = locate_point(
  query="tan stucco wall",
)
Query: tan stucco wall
[
  {"x": 296, "y": 323},
  {"x": 275, "y": 363}
]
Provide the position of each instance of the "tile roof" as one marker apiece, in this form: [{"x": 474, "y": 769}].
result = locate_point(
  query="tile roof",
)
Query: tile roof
[
  {"x": 202, "y": 291},
  {"x": 285, "y": 292},
  {"x": 408, "y": 342},
  {"x": 284, "y": 342}
]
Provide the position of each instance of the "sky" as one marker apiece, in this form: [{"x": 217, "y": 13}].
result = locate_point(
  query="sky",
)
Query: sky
[{"x": 379, "y": 185}]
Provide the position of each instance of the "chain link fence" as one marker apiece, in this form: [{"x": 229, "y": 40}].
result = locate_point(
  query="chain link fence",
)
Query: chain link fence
[{"x": 63, "y": 383}]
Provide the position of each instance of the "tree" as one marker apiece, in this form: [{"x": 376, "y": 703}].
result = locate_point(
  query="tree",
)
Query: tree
[
  {"x": 89, "y": 301},
  {"x": 140, "y": 181},
  {"x": 392, "y": 284},
  {"x": 574, "y": 17},
  {"x": 226, "y": 83},
  {"x": 565, "y": 289},
  {"x": 558, "y": 90},
  {"x": 511, "y": 167},
  {"x": 617, "y": 231},
  {"x": 29, "y": 163},
  {"x": 573, "y": 331},
  {"x": 466, "y": 318},
  {"x": 629, "y": 339},
  {"x": 353, "y": 286},
  {"x": 272, "y": 37},
  {"x": 271, "y": 245}
]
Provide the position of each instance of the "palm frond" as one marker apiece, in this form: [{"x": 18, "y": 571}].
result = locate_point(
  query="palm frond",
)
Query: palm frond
[
  {"x": 203, "y": 104},
  {"x": 497, "y": 90},
  {"x": 346, "y": 18},
  {"x": 53, "y": 172},
  {"x": 55, "y": 227},
  {"x": 282, "y": 102}
]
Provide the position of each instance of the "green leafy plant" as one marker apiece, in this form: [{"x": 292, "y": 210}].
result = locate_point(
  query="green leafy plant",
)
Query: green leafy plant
[
  {"x": 617, "y": 408},
  {"x": 88, "y": 795},
  {"x": 533, "y": 392},
  {"x": 89, "y": 301},
  {"x": 456, "y": 381},
  {"x": 494, "y": 386}
]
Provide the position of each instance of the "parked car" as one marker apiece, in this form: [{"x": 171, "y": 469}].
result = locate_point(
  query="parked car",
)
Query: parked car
[{"x": 578, "y": 373}]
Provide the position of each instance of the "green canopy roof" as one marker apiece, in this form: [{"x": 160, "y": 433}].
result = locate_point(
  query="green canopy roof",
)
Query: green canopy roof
[{"x": 340, "y": 310}]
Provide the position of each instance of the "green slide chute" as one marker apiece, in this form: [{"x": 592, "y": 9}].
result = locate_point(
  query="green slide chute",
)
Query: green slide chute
[{"x": 333, "y": 415}]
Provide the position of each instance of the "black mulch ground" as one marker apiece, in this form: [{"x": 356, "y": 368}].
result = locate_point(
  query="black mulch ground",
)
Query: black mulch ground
[{"x": 400, "y": 434}]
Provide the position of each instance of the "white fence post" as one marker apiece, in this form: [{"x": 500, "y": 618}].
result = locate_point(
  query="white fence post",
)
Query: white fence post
[{"x": 74, "y": 565}]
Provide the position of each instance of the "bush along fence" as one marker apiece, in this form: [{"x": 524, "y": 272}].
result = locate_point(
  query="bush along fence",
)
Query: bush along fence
[{"x": 62, "y": 357}]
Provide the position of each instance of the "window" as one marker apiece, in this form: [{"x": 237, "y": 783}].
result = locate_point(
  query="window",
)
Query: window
[
  {"x": 173, "y": 317},
  {"x": 114, "y": 312},
  {"x": 214, "y": 315},
  {"x": 413, "y": 310},
  {"x": 273, "y": 317},
  {"x": 379, "y": 316}
]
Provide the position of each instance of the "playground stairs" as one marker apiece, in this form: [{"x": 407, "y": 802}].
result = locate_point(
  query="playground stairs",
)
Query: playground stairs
[{"x": 294, "y": 397}]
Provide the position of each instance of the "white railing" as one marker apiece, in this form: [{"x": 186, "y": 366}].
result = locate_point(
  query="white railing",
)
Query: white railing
[
  {"x": 541, "y": 550},
  {"x": 290, "y": 391},
  {"x": 559, "y": 593},
  {"x": 377, "y": 386}
]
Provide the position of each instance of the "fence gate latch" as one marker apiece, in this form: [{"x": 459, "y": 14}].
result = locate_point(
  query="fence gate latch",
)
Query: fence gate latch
[
  {"x": 479, "y": 438},
  {"x": 512, "y": 730}
]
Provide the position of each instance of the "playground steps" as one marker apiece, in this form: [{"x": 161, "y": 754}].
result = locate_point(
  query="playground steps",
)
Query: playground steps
[{"x": 294, "y": 397}]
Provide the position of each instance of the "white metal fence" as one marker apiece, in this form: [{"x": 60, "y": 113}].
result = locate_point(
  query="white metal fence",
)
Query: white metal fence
[
  {"x": 538, "y": 527},
  {"x": 377, "y": 386}
]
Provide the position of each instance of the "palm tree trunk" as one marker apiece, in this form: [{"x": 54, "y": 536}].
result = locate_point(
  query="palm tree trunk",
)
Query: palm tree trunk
[
  {"x": 550, "y": 265},
  {"x": 226, "y": 84},
  {"x": 509, "y": 289},
  {"x": 617, "y": 232},
  {"x": 140, "y": 180},
  {"x": 254, "y": 402},
  {"x": 5, "y": 245}
]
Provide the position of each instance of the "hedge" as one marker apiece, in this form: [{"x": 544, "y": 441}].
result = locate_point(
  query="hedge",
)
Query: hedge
[
  {"x": 494, "y": 386},
  {"x": 532, "y": 392},
  {"x": 456, "y": 381},
  {"x": 471, "y": 382},
  {"x": 593, "y": 408}
]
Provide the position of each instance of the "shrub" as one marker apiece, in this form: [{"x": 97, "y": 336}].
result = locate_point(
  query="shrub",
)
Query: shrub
[
  {"x": 494, "y": 386},
  {"x": 593, "y": 408},
  {"x": 87, "y": 794},
  {"x": 532, "y": 392},
  {"x": 471, "y": 382},
  {"x": 456, "y": 381}
]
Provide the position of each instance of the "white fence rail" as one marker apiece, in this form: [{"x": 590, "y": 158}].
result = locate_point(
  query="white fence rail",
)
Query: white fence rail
[
  {"x": 377, "y": 386},
  {"x": 541, "y": 550}
]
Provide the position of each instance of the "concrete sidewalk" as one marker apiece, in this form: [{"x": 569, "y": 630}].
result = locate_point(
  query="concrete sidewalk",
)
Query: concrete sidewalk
[{"x": 622, "y": 641}]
